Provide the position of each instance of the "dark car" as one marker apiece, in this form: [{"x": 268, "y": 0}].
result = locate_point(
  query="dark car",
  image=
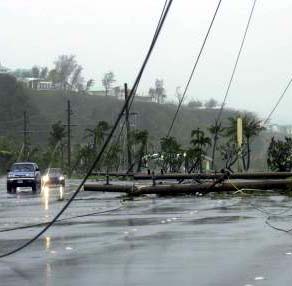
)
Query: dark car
[
  {"x": 23, "y": 174},
  {"x": 53, "y": 176}
]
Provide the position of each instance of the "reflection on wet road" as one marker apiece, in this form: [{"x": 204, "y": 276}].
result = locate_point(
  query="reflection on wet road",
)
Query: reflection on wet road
[{"x": 145, "y": 241}]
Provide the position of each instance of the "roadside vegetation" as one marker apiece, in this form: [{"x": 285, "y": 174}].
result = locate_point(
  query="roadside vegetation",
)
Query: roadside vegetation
[{"x": 33, "y": 126}]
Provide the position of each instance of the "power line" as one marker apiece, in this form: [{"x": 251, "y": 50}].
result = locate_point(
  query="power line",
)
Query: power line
[
  {"x": 278, "y": 102},
  {"x": 217, "y": 120},
  {"x": 236, "y": 63},
  {"x": 194, "y": 68},
  {"x": 107, "y": 141}
]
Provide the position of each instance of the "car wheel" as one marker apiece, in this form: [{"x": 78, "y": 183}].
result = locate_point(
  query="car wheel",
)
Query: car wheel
[
  {"x": 9, "y": 188},
  {"x": 34, "y": 187}
]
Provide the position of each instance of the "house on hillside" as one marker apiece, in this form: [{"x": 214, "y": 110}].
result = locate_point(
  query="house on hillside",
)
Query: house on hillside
[
  {"x": 277, "y": 128},
  {"x": 97, "y": 92},
  {"x": 119, "y": 93},
  {"x": 38, "y": 84},
  {"x": 3, "y": 69}
]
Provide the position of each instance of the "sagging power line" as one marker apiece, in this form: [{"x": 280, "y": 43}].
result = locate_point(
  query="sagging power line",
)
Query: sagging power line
[
  {"x": 108, "y": 139},
  {"x": 194, "y": 68}
]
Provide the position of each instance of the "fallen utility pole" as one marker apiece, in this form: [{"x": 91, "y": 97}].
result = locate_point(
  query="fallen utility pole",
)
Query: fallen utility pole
[
  {"x": 204, "y": 188},
  {"x": 197, "y": 176},
  {"x": 201, "y": 176}
]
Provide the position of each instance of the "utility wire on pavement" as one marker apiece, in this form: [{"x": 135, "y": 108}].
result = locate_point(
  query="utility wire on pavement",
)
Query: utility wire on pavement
[{"x": 107, "y": 141}]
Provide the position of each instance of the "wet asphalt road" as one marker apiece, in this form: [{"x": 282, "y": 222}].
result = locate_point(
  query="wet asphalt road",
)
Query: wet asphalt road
[{"x": 146, "y": 241}]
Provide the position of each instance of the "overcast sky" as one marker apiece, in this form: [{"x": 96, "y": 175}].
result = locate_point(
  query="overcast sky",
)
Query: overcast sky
[{"x": 112, "y": 35}]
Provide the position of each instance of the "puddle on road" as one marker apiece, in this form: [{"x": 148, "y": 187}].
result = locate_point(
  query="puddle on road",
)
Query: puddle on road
[{"x": 218, "y": 219}]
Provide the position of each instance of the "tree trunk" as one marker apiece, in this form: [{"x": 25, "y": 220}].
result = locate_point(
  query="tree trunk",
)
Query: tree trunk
[
  {"x": 214, "y": 150},
  {"x": 248, "y": 153}
]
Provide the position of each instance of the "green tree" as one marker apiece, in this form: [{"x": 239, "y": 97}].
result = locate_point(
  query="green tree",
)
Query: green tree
[
  {"x": 229, "y": 152},
  {"x": 112, "y": 159},
  {"x": 56, "y": 144},
  {"x": 97, "y": 134},
  {"x": 211, "y": 103},
  {"x": 64, "y": 67},
  {"x": 8, "y": 153},
  {"x": 197, "y": 151},
  {"x": 35, "y": 71},
  {"x": 280, "y": 155},
  {"x": 251, "y": 127},
  {"x": 57, "y": 134},
  {"x": 139, "y": 138},
  {"x": 158, "y": 92},
  {"x": 195, "y": 104},
  {"x": 107, "y": 81},
  {"x": 14, "y": 98},
  {"x": 171, "y": 153},
  {"x": 44, "y": 73}
]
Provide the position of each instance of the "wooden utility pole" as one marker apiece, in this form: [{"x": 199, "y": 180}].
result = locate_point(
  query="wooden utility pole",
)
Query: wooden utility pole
[
  {"x": 69, "y": 113},
  {"x": 25, "y": 133},
  {"x": 128, "y": 131},
  {"x": 239, "y": 142}
]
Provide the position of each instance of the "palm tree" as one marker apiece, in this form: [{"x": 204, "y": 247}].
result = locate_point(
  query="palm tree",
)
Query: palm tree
[
  {"x": 57, "y": 134},
  {"x": 251, "y": 127},
  {"x": 200, "y": 143}
]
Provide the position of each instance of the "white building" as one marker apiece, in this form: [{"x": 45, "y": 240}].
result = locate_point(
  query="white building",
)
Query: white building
[{"x": 3, "y": 69}]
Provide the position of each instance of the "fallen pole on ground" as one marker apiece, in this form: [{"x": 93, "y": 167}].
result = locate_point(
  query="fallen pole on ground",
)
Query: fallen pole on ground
[
  {"x": 205, "y": 176},
  {"x": 179, "y": 189},
  {"x": 199, "y": 176}
]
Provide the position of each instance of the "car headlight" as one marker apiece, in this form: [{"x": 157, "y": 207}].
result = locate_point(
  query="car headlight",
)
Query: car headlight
[
  {"x": 61, "y": 178},
  {"x": 46, "y": 178}
]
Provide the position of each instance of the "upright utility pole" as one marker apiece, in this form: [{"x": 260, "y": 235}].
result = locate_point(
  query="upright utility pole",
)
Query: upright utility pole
[
  {"x": 128, "y": 130},
  {"x": 69, "y": 113},
  {"x": 25, "y": 132}
]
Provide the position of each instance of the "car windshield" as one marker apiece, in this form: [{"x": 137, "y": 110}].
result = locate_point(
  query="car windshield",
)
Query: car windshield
[
  {"x": 22, "y": 168},
  {"x": 53, "y": 171}
]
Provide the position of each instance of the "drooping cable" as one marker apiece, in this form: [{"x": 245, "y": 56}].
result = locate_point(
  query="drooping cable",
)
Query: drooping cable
[
  {"x": 117, "y": 139},
  {"x": 218, "y": 118},
  {"x": 61, "y": 220},
  {"x": 278, "y": 102},
  {"x": 194, "y": 68},
  {"x": 236, "y": 64},
  {"x": 107, "y": 141},
  {"x": 155, "y": 35}
]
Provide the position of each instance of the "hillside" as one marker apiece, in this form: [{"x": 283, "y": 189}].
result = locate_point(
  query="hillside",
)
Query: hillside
[
  {"x": 88, "y": 110},
  {"x": 50, "y": 107}
]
